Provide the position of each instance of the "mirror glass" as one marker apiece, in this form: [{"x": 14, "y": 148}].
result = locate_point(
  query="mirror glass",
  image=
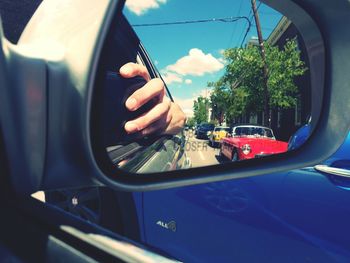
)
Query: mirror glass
[{"x": 241, "y": 77}]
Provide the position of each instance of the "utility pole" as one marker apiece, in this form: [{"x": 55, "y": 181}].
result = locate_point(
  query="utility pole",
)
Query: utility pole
[{"x": 267, "y": 119}]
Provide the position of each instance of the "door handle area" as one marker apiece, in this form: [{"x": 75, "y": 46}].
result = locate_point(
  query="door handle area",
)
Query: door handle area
[{"x": 333, "y": 170}]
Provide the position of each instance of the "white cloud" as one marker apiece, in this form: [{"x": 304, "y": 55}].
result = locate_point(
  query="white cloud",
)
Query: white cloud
[
  {"x": 186, "y": 105},
  {"x": 188, "y": 81},
  {"x": 170, "y": 77},
  {"x": 140, "y": 7},
  {"x": 196, "y": 63}
]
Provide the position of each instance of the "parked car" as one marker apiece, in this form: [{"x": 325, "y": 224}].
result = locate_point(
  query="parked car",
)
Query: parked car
[
  {"x": 299, "y": 137},
  {"x": 218, "y": 134},
  {"x": 195, "y": 129},
  {"x": 250, "y": 141},
  {"x": 204, "y": 130}
]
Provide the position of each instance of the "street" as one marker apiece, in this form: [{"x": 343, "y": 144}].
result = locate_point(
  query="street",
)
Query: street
[{"x": 199, "y": 151}]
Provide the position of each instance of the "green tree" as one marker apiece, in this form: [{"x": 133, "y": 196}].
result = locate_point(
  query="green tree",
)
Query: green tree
[
  {"x": 243, "y": 80},
  {"x": 218, "y": 99},
  {"x": 191, "y": 122},
  {"x": 284, "y": 66},
  {"x": 201, "y": 109}
]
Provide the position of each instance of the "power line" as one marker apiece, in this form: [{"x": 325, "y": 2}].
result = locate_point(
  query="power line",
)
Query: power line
[
  {"x": 250, "y": 24},
  {"x": 247, "y": 30},
  {"x": 224, "y": 20},
  {"x": 235, "y": 25},
  {"x": 246, "y": 33}
]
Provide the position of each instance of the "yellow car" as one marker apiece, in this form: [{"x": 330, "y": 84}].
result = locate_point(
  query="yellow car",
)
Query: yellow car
[{"x": 217, "y": 135}]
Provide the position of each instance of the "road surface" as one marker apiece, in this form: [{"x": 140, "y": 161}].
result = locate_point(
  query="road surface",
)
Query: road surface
[{"x": 200, "y": 153}]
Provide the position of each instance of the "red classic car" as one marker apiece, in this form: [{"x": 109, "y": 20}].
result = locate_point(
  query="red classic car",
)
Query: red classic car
[{"x": 250, "y": 141}]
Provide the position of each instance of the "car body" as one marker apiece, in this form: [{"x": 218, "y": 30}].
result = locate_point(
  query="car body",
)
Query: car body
[
  {"x": 218, "y": 134},
  {"x": 299, "y": 137},
  {"x": 195, "y": 128},
  {"x": 250, "y": 141},
  {"x": 204, "y": 130},
  {"x": 301, "y": 215}
]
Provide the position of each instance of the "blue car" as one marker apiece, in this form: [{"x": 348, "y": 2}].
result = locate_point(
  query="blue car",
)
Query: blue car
[
  {"x": 204, "y": 130},
  {"x": 297, "y": 216}
]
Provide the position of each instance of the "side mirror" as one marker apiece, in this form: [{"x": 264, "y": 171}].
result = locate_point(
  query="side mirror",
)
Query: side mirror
[{"x": 58, "y": 118}]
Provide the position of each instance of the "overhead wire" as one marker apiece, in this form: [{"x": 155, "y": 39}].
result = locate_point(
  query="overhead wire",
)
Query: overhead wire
[
  {"x": 235, "y": 25},
  {"x": 225, "y": 20},
  {"x": 249, "y": 24}
]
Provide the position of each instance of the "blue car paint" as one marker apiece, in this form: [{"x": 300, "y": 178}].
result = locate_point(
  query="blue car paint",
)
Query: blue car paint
[
  {"x": 296, "y": 216},
  {"x": 299, "y": 137}
]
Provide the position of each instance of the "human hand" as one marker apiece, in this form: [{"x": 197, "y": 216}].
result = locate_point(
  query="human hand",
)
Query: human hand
[{"x": 165, "y": 117}]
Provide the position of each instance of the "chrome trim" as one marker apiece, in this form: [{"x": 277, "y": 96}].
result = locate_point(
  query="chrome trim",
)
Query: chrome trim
[
  {"x": 120, "y": 249},
  {"x": 333, "y": 170}
]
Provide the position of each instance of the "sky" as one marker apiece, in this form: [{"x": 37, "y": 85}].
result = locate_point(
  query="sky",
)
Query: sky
[{"x": 190, "y": 55}]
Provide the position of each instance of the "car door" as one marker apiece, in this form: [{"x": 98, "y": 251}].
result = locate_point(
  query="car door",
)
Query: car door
[{"x": 297, "y": 216}]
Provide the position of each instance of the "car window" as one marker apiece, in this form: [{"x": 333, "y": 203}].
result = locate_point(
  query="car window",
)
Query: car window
[
  {"x": 253, "y": 131},
  {"x": 222, "y": 129},
  {"x": 207, "y": 126}
]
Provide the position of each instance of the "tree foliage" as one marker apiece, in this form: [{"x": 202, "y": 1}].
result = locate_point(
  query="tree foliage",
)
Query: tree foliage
[
  {"x": 201, "y": 109},
  {"x": 241, "y": 89},
  {"x": 191, "y": 122}
]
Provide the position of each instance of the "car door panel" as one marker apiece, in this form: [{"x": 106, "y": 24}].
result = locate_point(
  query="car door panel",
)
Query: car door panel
[{"x": 288, "y": 217}]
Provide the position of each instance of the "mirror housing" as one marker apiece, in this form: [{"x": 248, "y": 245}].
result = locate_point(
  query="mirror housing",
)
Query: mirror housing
[
  {"x": 61, "y": 154},
  {"x": 45, "y": 106}
]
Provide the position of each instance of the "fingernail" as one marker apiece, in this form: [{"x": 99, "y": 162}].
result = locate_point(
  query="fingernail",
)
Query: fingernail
[
  {"x": 131, "y": 103},
  {"x": 131, "y": 127},
  {"x": 125, "y": 69}
]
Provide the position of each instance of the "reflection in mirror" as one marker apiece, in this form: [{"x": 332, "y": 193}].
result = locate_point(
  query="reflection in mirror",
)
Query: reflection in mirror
[{"x": 241, "y": 77}]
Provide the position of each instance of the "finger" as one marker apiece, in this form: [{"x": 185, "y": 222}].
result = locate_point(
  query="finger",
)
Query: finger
[
  {"x": 152, "y": 89},
  {"x": 130, "y": 70},
  {"x": 148, "y": 118},
  {"x": 176, "y": 119},
  {"x": 158, "y": 126}
]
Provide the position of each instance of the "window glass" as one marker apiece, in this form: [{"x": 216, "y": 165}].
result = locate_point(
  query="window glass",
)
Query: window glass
[{"x": 222, "y": 129}]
